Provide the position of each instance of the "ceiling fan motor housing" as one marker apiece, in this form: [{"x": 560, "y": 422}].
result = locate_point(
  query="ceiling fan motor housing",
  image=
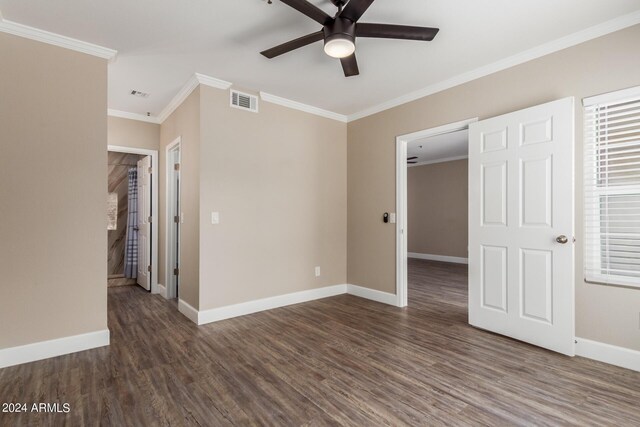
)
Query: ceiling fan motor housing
[{"x": 340, "y": 28}]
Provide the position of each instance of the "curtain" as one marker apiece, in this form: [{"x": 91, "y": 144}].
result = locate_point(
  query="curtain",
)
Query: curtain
[{"x": 131, "y": 243}]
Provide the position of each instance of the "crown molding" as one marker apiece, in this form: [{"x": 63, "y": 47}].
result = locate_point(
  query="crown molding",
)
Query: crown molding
[
  {"x": 201, "y": 79},
  {"x": 590, "y": 33},
  {"x": 212, "y": 81},
  {"x": 43, "y": 36},
  {"x": 133, "y": 116},
  {"x": 179, "y": 98},
  {"x": 189, "y": 86},
  {"x": 266, "y": 97}
]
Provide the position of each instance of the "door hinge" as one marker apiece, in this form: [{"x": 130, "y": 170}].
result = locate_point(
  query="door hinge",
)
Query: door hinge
[
  {"x": 150, "y": 219},
  {"x": 176, "y": 271},
  {"x": 176, "y": 166},
  {"x": 149, "y": 268},
  {"x": 150, "y": 169},
  {"x": 176, "y": 219}
]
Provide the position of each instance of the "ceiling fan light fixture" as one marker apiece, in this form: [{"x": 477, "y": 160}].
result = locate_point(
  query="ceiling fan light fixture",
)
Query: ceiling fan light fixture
[
  {"x": 340, "y": 38},
  {"x": 340, "y": 31},
  {"x": 339, "y": 47}
]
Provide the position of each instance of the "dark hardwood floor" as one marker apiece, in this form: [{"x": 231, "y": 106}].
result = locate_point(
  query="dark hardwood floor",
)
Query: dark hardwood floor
[{"x": 337, "y": 361}]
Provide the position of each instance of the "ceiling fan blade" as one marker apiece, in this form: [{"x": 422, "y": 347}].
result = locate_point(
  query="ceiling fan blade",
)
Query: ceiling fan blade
[
  {"x": 389, "y": 31},
  {"x": 306, "y": 8},
  {"x": 350, "y": 66},
  {"x": 412, "y": 158},
  {"x": 293, "y": 44},
  {"x": 355, "y": 9}
]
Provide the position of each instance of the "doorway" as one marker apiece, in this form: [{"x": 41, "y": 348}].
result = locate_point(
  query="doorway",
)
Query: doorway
[
  {"x": 435, "y": 149},
  {"x": 521, "y": 223},
  {"x": 437, "y": 223},
  {"x": 174, "y": 219},
  {"x": 131, "y": 209}
]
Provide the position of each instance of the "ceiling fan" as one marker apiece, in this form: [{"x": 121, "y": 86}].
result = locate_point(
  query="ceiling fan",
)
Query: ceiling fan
[
  {"x": 411, "y": 160},
  {"x": 339, "y": 33}
]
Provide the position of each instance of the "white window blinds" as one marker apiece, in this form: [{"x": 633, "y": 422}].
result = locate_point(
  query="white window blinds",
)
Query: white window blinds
[{"x": 612, "y": 188}]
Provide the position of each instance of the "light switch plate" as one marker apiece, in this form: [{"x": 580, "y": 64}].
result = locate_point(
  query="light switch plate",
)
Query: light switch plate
[
  {"x": 392, "y": 218},
  {"x": 215, "y": 217},
  {"x": 317, "y": 271}
]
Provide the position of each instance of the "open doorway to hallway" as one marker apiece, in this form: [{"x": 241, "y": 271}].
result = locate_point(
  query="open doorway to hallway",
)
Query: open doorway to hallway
[
  {"x": 432, "y": 206},
  {"x": 437, "y": 221},
  {"x": 131, "y": 209},
  {"x": 521, "y": 210},
  {"x": 123, "y": 204}
]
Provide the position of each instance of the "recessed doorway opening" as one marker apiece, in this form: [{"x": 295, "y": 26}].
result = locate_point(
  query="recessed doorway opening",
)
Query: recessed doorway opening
[
  {"x": 132, "y": 206},
  {"x": 432, "y": 206}
]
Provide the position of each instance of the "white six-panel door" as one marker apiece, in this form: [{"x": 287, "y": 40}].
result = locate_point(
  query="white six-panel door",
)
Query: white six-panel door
[
  {"x": 144, "y": 225},
  {"x": 521, "y": 204}
]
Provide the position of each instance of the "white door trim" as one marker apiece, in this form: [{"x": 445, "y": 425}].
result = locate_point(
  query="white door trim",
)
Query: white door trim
[
  {"x": 170, "y": 291},
  {"x": 401, "y": 199},
  {"x": 154, "y": 206}
]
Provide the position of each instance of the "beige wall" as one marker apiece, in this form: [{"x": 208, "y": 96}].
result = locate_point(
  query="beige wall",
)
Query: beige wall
[
  {"x": 603, "y": 313},
  {"x": 184, "y": 122},
  {"x": 437, "y": 208},
  {"x": 278, "y": 179},
  {"x": 133, "y": 133},
  {"x": 53, "y": 170}
]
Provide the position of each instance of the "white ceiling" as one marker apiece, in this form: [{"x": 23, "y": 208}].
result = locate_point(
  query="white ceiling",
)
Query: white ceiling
[
  {"x": 447, "y": 146},
  {"x": 161, "y": 43}
]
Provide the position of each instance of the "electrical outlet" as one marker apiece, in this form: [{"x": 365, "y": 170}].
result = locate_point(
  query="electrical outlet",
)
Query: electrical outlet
[{"x": 317, "y": 271}]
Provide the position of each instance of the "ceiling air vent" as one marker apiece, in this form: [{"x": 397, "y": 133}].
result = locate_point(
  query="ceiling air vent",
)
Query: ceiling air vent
[
  {"x": 244, "y": 101},
  {"x": 139, "y": 94}
]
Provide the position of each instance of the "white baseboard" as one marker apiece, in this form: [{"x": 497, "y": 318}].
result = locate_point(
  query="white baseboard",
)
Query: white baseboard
[
  {"x": 614, "y": 355},
  {"x": 160, "y": 290},
  {"x": 52, "y": 348},
  {"x": 227, "y": 312},
  {"x": 372, "y": 294},
  {"x": 187, "y": 310},
  {"x": 443, "y": 258},
  {"x": 241, "y": 309}
]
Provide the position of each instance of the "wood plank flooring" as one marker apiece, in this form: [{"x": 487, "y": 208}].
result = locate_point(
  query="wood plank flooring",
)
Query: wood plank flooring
[{"x": 337, "y": 361}]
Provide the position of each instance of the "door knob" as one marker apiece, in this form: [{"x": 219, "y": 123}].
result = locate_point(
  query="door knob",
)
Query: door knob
[{"x": 562, "y": 239}]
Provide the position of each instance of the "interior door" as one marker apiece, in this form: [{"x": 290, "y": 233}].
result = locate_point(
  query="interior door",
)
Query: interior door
[
  {"x": 174, "y": 235},
  {"x": 521, "y": 225},
  {"x": 144, "y": 223}
]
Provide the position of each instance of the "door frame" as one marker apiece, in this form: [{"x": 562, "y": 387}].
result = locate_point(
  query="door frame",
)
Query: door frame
[
  {"x": 401, "y": 199},
  {"x": 170, "y": 291},
  {"x": 155, "y": 287}
]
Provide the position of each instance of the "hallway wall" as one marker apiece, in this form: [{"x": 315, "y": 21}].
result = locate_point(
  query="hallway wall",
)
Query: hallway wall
[
  {"x": 53, "y": 128},
  {"x": 437, "y": 209}
]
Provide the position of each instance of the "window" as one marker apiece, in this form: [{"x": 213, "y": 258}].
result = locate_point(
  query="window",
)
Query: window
[{"x": 612, "y": 188}]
